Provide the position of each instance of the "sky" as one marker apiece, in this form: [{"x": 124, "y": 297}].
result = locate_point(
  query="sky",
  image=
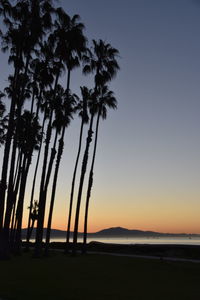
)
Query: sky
[{"x": 147, "y": 167}]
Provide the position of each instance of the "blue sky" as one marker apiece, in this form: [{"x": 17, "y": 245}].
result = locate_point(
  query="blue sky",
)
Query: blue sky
[{"x": 147, "y": 167}]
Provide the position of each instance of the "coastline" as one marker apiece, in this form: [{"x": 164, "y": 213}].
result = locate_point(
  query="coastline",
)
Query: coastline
[{"x": 154, "y": 250}]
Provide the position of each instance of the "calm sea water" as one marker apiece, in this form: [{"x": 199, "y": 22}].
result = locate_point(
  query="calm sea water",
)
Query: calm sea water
[{"x": 180, "y": 241}]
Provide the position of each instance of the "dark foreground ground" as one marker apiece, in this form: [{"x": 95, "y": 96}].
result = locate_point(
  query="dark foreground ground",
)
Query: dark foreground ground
[{"x": 97, "y": 277}]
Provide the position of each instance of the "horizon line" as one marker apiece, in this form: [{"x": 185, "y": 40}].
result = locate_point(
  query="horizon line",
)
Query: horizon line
[{"x": 142, "y": 230}]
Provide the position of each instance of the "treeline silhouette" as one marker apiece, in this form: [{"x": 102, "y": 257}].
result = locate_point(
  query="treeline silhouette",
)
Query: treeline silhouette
[{"x": 44, "y": 44}]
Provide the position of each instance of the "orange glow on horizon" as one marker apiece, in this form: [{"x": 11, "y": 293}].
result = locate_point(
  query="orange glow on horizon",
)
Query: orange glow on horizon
[{"x": 156, "y": 213}]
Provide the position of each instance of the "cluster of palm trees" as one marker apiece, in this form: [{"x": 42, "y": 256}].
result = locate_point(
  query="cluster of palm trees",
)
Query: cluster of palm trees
[{"x": 44, "y": 43}]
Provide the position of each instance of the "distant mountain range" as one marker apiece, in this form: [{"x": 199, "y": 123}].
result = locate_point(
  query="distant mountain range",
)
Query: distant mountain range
[{"x": 117, "y": 232}]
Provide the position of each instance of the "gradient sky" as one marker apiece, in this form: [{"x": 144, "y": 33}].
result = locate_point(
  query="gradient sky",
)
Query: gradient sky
[{"x": 147, "y": 167}]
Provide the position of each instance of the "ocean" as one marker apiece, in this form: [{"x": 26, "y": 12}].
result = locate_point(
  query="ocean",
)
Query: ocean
[{"x": 112, "y": 240}]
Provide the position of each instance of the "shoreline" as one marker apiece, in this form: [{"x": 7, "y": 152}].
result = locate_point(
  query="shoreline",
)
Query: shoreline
[{"x": 155, "y": 250}]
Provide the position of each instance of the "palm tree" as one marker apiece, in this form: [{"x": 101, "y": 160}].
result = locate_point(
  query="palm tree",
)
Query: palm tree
[
  {"x": 106, "y": 99},
  {"x": 14, "y": 196},
  {"x": 9, "y": 202},
  {"x": 33, "y": 185},
  {"x": 43, "y": 71},
  {"x": 10, "y": 39},
  {"x": 82, "y": 106},
  {"x": 70, "y": 44},
  {"x": 30, "y": 137},
  {"x": 101, "y": 61},
  {"x": 83, "y": 169},
  {"x": 26, "y": 21},
  {"x": 63, "y": 121},
  {"x": 23, "y": 13},
  {"x": 46, "y": 172}
]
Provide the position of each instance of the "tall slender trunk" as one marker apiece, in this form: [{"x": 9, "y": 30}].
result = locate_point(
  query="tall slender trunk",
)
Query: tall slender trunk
[
  {"x": 8, "y": 212},
  {"x": 72, "y": 187},
  {"x": 42, "y": 198},
  {"x": 32, "y": 102},
  {"x": 82, "y": 177},
  {"x": 90, "y": 183},
  {"x": 28, "y": 234},
  {"x": 3, "y": 182},
  {"x": 42, "y": 202},
  {"x": 13, "y": 157},
  {"x": 26, "y": 166},
  {"x": 39, "y": 101},
  {"x": 59, "y": 155},
  {"x": 14, "y": 200},
  {"x": 19, "y": 204},
  {"x": 4, "y": 171},
  {"x": 7, "y": 149},
  {"x": 51, "y": 161},
  {"x": 10, "y": 195},
  {"x": 17, "y": 166},
  {"x": 47, "y": 142},
  {"x": 9, "y": 203}
]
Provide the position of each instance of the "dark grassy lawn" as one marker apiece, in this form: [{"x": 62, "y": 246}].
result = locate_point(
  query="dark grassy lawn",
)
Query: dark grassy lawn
[{"x": 97, "y": 277}]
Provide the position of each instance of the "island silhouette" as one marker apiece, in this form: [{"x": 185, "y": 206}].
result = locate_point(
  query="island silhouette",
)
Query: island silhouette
[{"x": 116, "y": 232}]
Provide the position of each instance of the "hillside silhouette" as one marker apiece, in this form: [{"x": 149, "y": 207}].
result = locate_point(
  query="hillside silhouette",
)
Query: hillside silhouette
[{"x": 118, "y": 232}]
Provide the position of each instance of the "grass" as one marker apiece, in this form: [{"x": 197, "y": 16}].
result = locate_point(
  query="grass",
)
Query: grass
[{"x": 97, "y": 277}]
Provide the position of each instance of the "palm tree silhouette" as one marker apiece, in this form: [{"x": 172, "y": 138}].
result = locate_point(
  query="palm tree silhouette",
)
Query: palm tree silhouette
[
  {"x": 71, "y": 46},
  {"x": 106, "y": 100},
  {"x": 42, "y": 70},
  {"x": 101, "y": 61},
  {"x": 43, "y": 42},
  {"x": 25, "y": 21},
  {"x": 65, "y": 114},
  {"x": 83, "y": 113},
  {"x": 9, "y": 40},
  {"x": 46, "y": 169},
  {"x": 29, "y": 139}
]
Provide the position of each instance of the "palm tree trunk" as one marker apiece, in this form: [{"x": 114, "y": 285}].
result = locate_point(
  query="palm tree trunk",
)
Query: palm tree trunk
[
  {"x": 82, "y": 177},
  {"x": 42, "y": 202},
  {"x": 19, "y": 206},
  {"x": 50, "y": 165},
  {"x": 3, "y": 184},
  {"x": 32, "y": 102},
  {"x": 3, "y": 181},
  {"x": 11, "y": 175},
  {"x": 42, "y": 198},
  {"x": 16, "y": 188},
  {"x": 13, "y": 158},
  {"x": 59, "y": 155},
  {"x": 39, "y": 101},
  {"x": 72, "y": 187},
  {"x": 4, "y": 171},
  {"x": 9, "y": 203},
  {"x": 33, "y": 189},
  {"x": 26, "y": 166},
  {"x": 17, "y": 167},
  {"x": 90, "y": 182}
]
